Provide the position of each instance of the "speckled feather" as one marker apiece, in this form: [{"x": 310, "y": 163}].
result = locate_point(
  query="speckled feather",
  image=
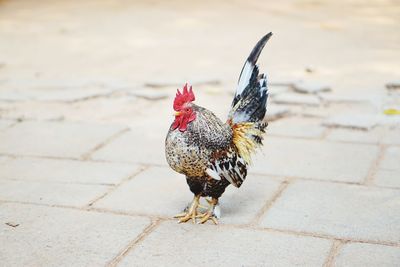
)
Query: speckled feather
[
  {"x": 213, "y": 154},
  {"x": 190, "y": 152}
]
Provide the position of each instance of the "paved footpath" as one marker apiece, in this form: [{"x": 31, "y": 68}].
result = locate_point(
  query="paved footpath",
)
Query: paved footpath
[{"x": 83, "y": 177}]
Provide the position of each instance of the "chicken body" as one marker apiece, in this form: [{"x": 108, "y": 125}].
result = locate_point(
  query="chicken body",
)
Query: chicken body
[
  {"x": 213, "y": 154},
  {"x": 193, "y": 151}
]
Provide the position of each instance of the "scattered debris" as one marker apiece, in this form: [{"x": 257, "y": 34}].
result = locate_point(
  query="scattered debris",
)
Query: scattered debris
[
  {"x": 214, "y": 90},
  {"x": 275, "y": 90},
  {"x": 276, "y": 112},
  {"x": 362, "y": 122},
  {"x": 179, "y": 84},
  {"x": 391, "y": 111},
  {"x": 149, "y": 94},
  {"x": 283, "y": 80},
  {"x": 393, "y": 85},
  {"x": 74, "y": 95},
  {"x": 60, "y": 94},
  {"x": 310, "y": 87},
  {"x": 281, "y": 83},
  {"x": 374, "y": 99},
  {"x": 12, "y": 224},
  {"x": 297, "y": 99},
  {"x": 57, "y": 118},
  {"x": 309, "y": 70}
]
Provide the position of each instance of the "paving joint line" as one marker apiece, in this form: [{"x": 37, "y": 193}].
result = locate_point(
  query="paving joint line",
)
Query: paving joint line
[
  {"x": 235, "y": 226},
  {"x": 329, "y": 129},
  {"x": 57, "y": 182},
  {"x": 98, "y": 210},
  {"x": 329, "y": 237},
  {"x": 40, "y": 204},
  {"x": 325, "y": 133},
  {"x": 272, "y": 176},
  {"x": 88, "y": 154},
  {"x": 113, "y": 188},
  {"x": 315, "y": 235},
  {"x": 12, "y": 125},
  {"x": 324, "y": 139},
  {"x": 264, "y": 209},
  {"x": 15, "y": 156},
  {"x": 333, "y": 253},
  {"x": 148, "y": 230},
  {"x": 375, "y": 166},
  {"x": 118, "y": 212}
]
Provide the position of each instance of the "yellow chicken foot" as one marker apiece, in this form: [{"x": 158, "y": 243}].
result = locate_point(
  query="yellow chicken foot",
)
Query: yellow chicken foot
[
  {"x": 191, "y": 213},
  {"x": 209, "y": 214}
]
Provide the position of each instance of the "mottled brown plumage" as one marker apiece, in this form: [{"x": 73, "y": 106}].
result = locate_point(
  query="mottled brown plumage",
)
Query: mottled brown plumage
[{"x": 213, "y": 154}]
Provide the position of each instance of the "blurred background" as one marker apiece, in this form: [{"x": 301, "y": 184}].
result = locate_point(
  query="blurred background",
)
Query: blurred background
[
  {"x": 107, "y": 60},
  {"x": 86, "y": 93}
]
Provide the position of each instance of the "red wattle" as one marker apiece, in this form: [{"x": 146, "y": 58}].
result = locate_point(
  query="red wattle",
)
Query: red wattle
[
  {"x": 182, "y": 121},
  {"x": 176, "y": 123}
]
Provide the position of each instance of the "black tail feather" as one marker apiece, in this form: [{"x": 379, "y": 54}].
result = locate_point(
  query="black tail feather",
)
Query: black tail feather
[
  {"x": 255, "y": 53},
  {"x": 249, "y": 103}
]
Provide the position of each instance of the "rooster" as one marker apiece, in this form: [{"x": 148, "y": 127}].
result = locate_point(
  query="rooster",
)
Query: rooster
[{"x": 213, "y": 154}]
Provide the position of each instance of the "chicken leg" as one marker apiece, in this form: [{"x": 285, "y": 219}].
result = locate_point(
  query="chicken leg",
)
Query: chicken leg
[
  {"x": 190, "y": 212},
  {"x": 209, "y": 214}
]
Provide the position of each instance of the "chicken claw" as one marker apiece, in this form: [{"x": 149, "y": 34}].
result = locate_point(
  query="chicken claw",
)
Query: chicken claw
[
  {"x": 209, "y": 215},
  {"x": 191, "y": 213}
]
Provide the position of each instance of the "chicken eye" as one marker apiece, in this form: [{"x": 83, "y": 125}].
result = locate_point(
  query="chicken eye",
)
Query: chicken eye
[{"x": 187, "y": 110}]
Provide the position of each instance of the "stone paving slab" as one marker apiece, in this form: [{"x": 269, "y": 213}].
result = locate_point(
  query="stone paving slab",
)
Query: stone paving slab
[
  {"x": 363, "y": 122},
  {"x": 374, "y": 136},
  {"x": 53, "y": 93},
  {"x": 296, "y": 99},
  {"x": 4, "y": 159},
  {"x": 315, "y": 159},
  {"x": 162, "y": 192},
  {"x": 156, "y": 191},
  {"x": 296, "y": 127},
  {"x": 77, "y": 195},
  {"x": 4, "y": 124},
  {"x": 391, "y": 159},
  {"x": 391, "y": 136},
  {"x": 352, "y": 97},
  {"x": 362, "y": 255},
  {"x": 63, "y": 237},
  {"x": 345, "y": 211},
  {"x": 241, "y": 205},
  {"x": 388, "y": 178},
  {"x": 311, "y": 87},
  {"x": 65, "y": 171},
  {"x": 332, "y": 109},
  {"x": 276, "y": 112},
  {"x": 57, "y": 139},
  {"x": 194, "y": 245},
  {"x": 128, "y": 148},
  {"x": 99, "y": 87},
  {"x": 388, "y": 173},
  {"x": 356, "y": 136}
]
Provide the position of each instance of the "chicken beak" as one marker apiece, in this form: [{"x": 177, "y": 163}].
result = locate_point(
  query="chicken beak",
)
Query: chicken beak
[{"x": 177, "y": 113}]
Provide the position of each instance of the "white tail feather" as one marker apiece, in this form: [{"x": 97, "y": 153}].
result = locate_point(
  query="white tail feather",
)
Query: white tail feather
[{"x": 244, "y": 78}]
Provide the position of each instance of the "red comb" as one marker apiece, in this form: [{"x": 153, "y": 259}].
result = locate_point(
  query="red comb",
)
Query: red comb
[{"x": 184, "y": 97}]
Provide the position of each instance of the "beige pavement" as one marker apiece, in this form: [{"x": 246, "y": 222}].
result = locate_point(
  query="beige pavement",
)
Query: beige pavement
[{"x": 86, "y": 91}]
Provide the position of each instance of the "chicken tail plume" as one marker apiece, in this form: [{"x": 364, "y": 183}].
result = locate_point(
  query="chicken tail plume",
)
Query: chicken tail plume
[{"x": 249, "y": 105}]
